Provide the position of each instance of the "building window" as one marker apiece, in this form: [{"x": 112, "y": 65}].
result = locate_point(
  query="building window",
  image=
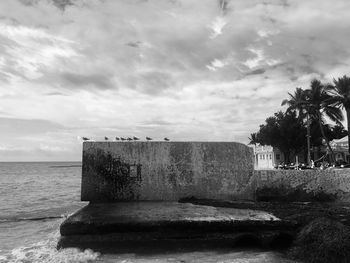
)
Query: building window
[
  {"x": 270, "y": 156},
  {"x": 278, "y": 156},
  {"x": 263, "y": 156}
]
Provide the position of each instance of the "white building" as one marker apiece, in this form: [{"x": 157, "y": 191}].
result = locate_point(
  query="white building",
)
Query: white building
[
  {"x": 266, "y": 157},
  {"x": 341, "y": 149}
]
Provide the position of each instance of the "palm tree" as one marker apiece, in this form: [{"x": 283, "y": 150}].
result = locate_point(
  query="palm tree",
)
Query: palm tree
[
  {"x": 297, "y": 103},
  {"x": 253, "y": 139},
  {"x": 342, "y": 97},
  {"x": 321, "y": 103}
]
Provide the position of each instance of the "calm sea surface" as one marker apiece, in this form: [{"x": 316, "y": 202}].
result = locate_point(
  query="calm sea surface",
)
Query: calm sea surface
[{"x": 36, "y": 197}]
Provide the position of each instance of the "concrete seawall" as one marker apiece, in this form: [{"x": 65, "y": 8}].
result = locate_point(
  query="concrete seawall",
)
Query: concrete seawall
[
  {"x": 169, "y": 171},
  {"x": 333, "y": 182},
  {"x": 115, "y": 171}
]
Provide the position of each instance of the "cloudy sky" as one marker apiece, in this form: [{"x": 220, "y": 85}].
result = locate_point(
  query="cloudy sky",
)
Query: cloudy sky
[{"x": 184, "y": 69}]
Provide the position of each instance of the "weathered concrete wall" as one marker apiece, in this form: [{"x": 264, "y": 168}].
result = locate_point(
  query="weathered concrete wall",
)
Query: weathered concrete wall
[
  {"x": 166, "y": 171},
  {"x": 335, "y": 182}
]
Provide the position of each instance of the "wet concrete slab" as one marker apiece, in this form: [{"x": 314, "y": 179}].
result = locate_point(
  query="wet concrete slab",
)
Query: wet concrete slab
[{"x": 148, "y": 220}]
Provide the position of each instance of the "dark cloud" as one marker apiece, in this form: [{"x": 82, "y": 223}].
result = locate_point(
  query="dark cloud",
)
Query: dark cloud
[
  {"x": 284, "y": 3},
  {"x": 257, "y": 71},
  {"x": 223, "y": 5},
  {"x": 69, "y": 80},
  {"x": 61, "y": 4},
  {"x": 134, "y": 44},
  {"x": 55, "y": 94},
  {"x": 29, "y": 2}
]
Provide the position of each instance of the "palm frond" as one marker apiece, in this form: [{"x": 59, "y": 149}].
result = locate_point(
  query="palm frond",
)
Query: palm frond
[{"x": 334, "y": 113}]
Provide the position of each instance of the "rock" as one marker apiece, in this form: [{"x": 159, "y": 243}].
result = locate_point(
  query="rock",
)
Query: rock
[{"x": 322, "y": 240}]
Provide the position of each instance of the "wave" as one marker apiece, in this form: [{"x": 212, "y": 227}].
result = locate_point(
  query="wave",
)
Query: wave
[
  {"x": 46, "y": 252},
  {"x": 41, "y": 218},
  {"x": 65, "y": 166}
]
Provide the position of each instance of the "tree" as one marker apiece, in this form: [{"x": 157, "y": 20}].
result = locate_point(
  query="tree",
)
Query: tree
[
  {"x": 320, "y": 104},
  {"x": 335, "y": 132},
  {"x": 284, "y": 131},
  {"x": 342, "y": 97},
  {"x": 332, "y": 132},
  {"x": 298, "y": 104},
  {"x": 253, "y": 139}
]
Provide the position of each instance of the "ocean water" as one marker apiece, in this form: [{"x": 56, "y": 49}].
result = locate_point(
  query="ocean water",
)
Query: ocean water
[{"x": 35, "y": 198}]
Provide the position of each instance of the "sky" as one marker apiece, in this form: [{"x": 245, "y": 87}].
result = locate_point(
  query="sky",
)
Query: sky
[{"x": 203, "y": 70}]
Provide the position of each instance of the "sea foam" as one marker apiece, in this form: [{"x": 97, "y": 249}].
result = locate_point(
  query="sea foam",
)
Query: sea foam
[{"x": 46, "y": 252}]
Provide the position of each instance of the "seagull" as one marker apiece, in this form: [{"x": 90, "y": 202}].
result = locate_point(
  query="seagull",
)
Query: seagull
[
  {"x": 106, "y": 138},
  {"x": 85, "y": 139},
  {"x": 149, "y": 139},
  {"x": 129, "y": 139},
  {"x": 166, "y": 139},
  {"x": 136, "y": 139},
  {"x": 117, "y": 138},
  {"x": 123, "y": 139}
]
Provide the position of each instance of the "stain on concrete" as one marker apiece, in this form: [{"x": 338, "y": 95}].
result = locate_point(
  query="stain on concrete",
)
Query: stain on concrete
[{"x": 119, "y": 179}]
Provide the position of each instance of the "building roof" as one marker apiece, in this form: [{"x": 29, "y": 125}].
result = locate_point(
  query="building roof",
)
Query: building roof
[
  {"x": 340, "y": 144},
  {"x": 342, "y": 140}
]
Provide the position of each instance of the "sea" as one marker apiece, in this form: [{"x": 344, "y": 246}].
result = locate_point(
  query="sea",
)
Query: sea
[{"x": 36, "y": 197}]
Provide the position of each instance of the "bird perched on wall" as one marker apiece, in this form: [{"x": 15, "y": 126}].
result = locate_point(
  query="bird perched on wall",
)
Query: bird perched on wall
[
  {"x": 85, "y": 139},
  {"x": 117, "y": 138},
  {"x": 129, "y": 139},
  {"x": 136, "y": 139},
  {"x": 123, "y": 139},
  {"x": 166, "y": 139},
  {"x": 149, "y": 139},
  {"x": 106, "y": 138}
]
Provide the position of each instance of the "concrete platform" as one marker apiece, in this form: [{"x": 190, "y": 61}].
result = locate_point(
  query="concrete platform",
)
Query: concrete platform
[{"x": 111, "y": 223}]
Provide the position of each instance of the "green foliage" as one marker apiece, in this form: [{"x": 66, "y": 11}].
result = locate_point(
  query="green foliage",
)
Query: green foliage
[
  {"x": 332, "y": 132},
  {"x": 341, "y": 91},
  {"x": 341, "y": 94},
  {"x": 253, "y": 139},
  {"x": 284, "y": 131},
  {"x": 335, "y": 132}
]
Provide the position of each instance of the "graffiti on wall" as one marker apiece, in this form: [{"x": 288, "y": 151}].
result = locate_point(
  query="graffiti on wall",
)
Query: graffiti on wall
[{"x": 122, "y": 179}]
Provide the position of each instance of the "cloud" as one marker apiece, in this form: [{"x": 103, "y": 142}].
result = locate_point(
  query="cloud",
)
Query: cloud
[
  {"x": 78, "y": 80},
  {"x": 32, "y": 126},
  {"x": 155, "y": 82},
  {"x": 212, "y": 70},
  {"x": 257, "y": 72},
  {"x": 61, "y": 4},
  {"x": 134, "y": 44},
  {"x": 55, "y": 94},
  {"x": 26, "y": 51},
  {"x": 217, "y": 26}
]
